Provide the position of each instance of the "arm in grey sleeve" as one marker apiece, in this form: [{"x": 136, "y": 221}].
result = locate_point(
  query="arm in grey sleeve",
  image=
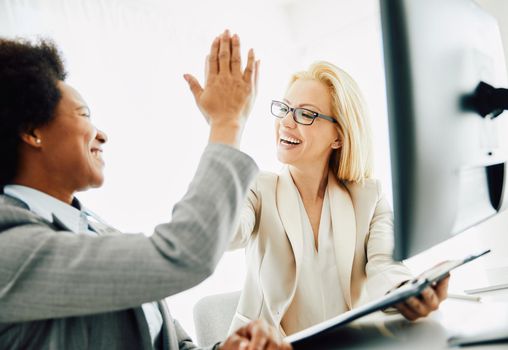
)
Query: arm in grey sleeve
[{"x": 49, "y": 274}]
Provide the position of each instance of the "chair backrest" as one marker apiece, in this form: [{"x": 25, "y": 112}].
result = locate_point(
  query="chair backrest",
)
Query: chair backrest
[{"x": 212, "y": 317}]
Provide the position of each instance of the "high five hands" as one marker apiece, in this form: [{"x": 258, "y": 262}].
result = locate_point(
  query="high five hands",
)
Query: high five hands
[{"x": 228, "y": 93}]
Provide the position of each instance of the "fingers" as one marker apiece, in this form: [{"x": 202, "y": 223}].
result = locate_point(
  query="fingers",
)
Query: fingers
[
  {"x": 243, "y": 332},
  {"x": 212, "y": 67},
  {"x": 414, "y": 308},
  {"x": 236, "y": 60},
  {"x": 262, "y": 337},
  {"x": 416, "y": 305},
  {"x": 430, "y": 298},
  {"x": 259, "y": 335},
  {"x": 249, "y": 69},
  {"x": 225, "y": 56},
  {"x": 441, "y": 288},
  {"x": 274, "y": 344},
  {"x": 256, "y": 75},
  {"x": 407, "y": 312},
  {"x": 225, "y": 52},
  {"x": 194, "y": 86},
  {"x": 235, "y": 342},
  {"x": 207, "y": 68}
]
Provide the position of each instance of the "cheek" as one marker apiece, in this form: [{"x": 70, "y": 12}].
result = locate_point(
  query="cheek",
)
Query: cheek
[
  {"x": 330, "y": 135},
  {"x": 88, "y": 136},
  {"x": 318, "y": 140},
  {"x": 90, "y": 132},
  {"x": 276, "y": 130}
]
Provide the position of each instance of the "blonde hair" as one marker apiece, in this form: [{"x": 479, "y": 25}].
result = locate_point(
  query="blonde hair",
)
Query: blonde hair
[{"x": 353, "y": 160}]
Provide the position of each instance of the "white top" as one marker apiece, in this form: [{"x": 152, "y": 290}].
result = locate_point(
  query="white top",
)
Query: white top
[
  {"x": 76, "y": 220},
  {"x": 318, "y": 295}
]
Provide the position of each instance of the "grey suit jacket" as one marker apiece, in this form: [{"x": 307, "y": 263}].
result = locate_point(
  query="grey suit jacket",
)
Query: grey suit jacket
[{"x": 59, "y": 290}]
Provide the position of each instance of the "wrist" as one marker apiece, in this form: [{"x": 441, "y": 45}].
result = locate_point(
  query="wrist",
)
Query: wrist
[
  {"x": 226, "y": 122},
  {"x": 226, "y": 133}
]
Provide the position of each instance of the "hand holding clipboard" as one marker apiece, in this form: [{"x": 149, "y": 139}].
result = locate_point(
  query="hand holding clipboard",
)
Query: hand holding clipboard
[
  {"x": 412, "y": 288},
  {"x": 434, "y": 282}
]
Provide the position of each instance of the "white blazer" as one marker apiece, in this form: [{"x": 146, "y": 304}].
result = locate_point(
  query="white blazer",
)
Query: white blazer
[{"x": 271, "y": 231}]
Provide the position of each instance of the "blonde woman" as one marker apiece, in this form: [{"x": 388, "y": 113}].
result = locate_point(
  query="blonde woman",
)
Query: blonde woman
[{"x": 319, "y": 235}]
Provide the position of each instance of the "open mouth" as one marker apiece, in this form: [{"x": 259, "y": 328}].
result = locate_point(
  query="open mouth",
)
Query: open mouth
[
  {"x": 289, "y": 140},
  {"x": 97, "y": 153}
]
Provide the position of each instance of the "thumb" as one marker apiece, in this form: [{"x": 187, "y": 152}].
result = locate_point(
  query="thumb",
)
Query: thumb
[
  {"x": 256, "y": 76},
  {"x": 244, "y": 344},
  {"x": 194, "y": 86}
]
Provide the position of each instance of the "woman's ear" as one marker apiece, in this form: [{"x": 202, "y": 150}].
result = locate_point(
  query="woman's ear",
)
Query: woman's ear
[
  {"x": 32, "y": 138},
  {"x": 336, "y": 144}
]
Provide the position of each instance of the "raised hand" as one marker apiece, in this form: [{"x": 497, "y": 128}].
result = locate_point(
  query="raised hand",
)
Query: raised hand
[{"x": 228, "y": 92}]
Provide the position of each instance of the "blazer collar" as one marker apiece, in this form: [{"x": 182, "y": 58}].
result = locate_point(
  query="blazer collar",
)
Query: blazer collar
[
  {"x": 289, "y": 211},
  {"x": 343, "y": 224},
  {"x": 48, "y": 207},
  {"x": 100, "y": 228},
  {"x": 144, "y": 331},
  {"x": 52, "y": 219},
  {"x": 344, "y": 232}
]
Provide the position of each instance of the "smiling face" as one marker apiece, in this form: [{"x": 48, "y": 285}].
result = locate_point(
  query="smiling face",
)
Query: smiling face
[
  {"x": 306, "y": 145},
  {"x": 70, "y": 145}
]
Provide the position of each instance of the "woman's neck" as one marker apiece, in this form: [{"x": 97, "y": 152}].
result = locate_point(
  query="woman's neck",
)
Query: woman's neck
[{"x": 310, "y": 181}]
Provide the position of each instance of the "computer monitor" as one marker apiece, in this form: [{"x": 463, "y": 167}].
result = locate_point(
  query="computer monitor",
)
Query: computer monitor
[{"x": 448, "y": 161}]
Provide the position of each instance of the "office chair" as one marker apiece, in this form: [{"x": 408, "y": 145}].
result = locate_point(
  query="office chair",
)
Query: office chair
[{"x": 212, "y": 317}]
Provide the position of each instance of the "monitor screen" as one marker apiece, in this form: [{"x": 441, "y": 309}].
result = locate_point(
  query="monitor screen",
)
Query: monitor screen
[{"x": 448, "y": 161}]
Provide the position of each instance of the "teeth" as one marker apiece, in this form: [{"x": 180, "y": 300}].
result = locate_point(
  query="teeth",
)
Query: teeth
[{"x": 290, "y": 140}]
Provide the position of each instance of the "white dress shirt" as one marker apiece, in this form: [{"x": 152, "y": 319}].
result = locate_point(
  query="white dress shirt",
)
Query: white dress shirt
[
  {"x": 318, "y": 295},
  {"x": 76, "y": 220}
]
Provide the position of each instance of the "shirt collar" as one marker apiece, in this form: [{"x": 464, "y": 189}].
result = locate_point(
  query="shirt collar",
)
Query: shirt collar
[{"x": 47, "y": 206}]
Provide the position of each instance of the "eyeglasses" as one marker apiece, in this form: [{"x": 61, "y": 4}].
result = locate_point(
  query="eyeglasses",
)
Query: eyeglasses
[{"x": 300, "y": 115}]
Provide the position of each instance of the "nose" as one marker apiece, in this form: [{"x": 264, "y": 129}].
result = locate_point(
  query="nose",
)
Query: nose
[
  {"x": 288, "y": 121},
  {"x": 101, "y": 136}
]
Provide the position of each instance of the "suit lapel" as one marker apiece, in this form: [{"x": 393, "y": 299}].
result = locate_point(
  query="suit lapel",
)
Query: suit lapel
[
  {"x": 59, "y": 224},
  {"x": 344, "y": 232},
  {"x": 289, "y": 212},
  {"x": 144, "y": 331},
  {"x": 103, "y": 230},
  {"x": 169, "y": 336}
]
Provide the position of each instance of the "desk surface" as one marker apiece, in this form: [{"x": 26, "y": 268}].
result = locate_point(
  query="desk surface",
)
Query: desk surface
[{"x": 381, "y": 331}]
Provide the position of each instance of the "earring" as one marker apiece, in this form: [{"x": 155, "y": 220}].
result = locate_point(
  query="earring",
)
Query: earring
[{"x": 38, "y": 141}]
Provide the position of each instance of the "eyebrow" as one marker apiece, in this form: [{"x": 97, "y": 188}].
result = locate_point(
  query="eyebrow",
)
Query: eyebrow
[
  {"x": 83, "y": 107},
  {"x": 302, "y": 104}
]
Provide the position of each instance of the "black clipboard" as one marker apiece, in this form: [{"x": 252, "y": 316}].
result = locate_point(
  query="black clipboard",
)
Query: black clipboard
[{"x": 411, "y": 288}]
